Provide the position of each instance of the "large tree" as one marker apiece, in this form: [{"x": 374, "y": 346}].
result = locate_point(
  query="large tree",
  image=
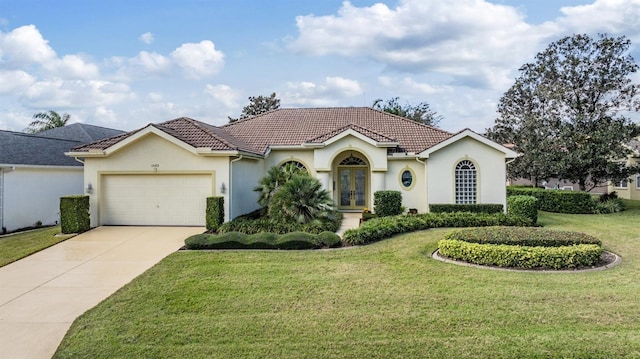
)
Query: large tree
[
  {"x": 420, "y": 113},
  {"x": 47, "y": 120},
  {"x": 257, "y": 105},
  {"x": 566, "y": 112}
]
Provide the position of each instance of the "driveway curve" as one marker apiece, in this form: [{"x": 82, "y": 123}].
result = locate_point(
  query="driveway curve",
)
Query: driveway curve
[{"x": 41, "y": 295}]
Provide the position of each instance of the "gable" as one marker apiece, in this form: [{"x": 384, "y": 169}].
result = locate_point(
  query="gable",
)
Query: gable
[{"x": 465, "y": 136}]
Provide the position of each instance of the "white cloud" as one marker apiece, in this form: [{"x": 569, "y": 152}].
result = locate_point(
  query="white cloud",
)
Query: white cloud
[
  {"x": 104, "y": 115},
  {"x": 74, "y": 94},
  {"x": 147, "y": 38},
  {"x": 14, "y": 81},
  {"x": 223, "y": 94},
  {"x": 613, "y": 16},
  {"x": 72, "y": 67},
  {"x": 332, "y": 91},
  {"x": 25, "y": 44},
  {"x": 201, "y": 59},
  {"x": 150, "y": 63}
]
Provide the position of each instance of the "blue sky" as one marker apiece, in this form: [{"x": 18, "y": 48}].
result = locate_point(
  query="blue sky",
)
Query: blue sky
[{"x": 124, "y": 64}]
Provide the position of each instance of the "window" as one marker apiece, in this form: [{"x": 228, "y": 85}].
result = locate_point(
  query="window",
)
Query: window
[
  {"x": 296, "y": 164},
  {"x": 465, "y": 182},
  {"x": 623, "y": 183},
  {"x": 407, "y": 178},
  {"x": 352, "y": 161}
]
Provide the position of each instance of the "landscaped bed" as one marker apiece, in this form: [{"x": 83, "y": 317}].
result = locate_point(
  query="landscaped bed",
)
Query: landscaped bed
[
  {"x": 524, "y": 248},
  {"x": 385, "y": 300}
]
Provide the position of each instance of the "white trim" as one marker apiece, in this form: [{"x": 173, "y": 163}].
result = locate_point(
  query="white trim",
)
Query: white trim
[
  {"x": 42, "y": 166},
  {"x": 464, "y": 134},
  {"x": 354, "y": 133}
]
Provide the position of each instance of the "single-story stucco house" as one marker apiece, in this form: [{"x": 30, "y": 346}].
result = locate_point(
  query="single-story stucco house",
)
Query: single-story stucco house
[
  {"x": 162, "y": 173},
  {"x": 629, "y": 188},
  {"x": 35, "y": 173}
]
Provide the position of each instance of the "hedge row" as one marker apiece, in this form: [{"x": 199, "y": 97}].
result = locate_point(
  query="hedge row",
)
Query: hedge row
[
  {"x": 214, "y": 213},
  {"x": 523, "y": 206},
  {"x": 557, "y": 201},
  {"x": 238, "y": 240},
  {"x": 522, "y": 236},
  {"x": 581, "y": 255},
  {"x": 252, "y": 223},
  {"x": 380, "y": 228},
  {"x": 473, "y": 208},
  {"x": 74, "y": 214}
]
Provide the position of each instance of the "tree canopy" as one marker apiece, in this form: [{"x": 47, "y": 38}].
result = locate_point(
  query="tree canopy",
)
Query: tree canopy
[
  {"x": 420, "y": 113},
  {"x": 567, "y": 112},
  {"x": 47, "y": 120},
  {"x": 258, "y": 105}
]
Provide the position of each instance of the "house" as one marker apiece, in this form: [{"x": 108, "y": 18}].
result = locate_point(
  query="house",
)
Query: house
[
  {"x": 35, "y": 173},
  {"x": 629, "y": 188},
  {"x": 161, "y": 174}
]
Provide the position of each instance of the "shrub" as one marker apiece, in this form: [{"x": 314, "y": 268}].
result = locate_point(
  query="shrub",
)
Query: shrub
[
  {"x": 74, "y": 214},
  {"x": 215, "y": 213},
  {"x": 474, "y": 208},
  {"x": 387, "y": 203},
  {"x": 557, "y": 201},
  {"x": 254, "y": 223},
  {"x": 608, "y": 196},
  {"x": 581, "y": 255},
  {"x": 613, "y": 205},
  {"x": 523, "y": 236},
  {"x": 302, "y": 199},
  {"x": 384, "y": 227},
  {"x": 265, "y": 240},
  {"x": 523, "y": 206}
]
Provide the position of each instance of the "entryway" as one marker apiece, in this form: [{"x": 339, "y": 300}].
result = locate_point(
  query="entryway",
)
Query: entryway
[{"x": 353, "y": 182}]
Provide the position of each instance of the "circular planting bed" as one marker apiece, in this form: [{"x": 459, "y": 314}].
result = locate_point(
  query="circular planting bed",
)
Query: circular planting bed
[{"x": 524, "y": 248}]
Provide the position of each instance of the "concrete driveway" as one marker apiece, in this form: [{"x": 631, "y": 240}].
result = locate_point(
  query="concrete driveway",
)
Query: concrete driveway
[{"x": 41, "y": 295}]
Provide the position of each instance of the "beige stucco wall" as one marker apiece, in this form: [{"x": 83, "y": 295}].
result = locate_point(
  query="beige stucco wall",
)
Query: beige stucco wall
[
  {"x": 490, "y": 166},
  {"x": 246, "y": 173},
  {"x": 631, "y": 191},
  {"x": 153, "y": 154},
  {"x": 376, "y": 157},
  {"x": 414, "y": 196},
  {"x": 278, "y": 157}
]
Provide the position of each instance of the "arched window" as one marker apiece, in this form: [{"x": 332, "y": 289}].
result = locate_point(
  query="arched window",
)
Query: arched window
[
  {"x": 296, "y": 164},
  {"x": 353, "y": 161},
  {"x": 466, "y": 183}
]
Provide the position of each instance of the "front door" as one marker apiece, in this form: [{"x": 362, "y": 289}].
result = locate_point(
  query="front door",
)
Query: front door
[{"x": 353, "y": 187}]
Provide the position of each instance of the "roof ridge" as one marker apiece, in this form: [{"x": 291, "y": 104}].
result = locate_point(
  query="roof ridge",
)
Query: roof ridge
[
  {"x": 351, "y": 126},
  {"x": 211, "y": 133}
]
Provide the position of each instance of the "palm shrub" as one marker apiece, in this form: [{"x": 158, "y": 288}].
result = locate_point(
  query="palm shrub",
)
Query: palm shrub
[
  {"x": 301, "y": 199},
  {"x": 276, "y": 177}
]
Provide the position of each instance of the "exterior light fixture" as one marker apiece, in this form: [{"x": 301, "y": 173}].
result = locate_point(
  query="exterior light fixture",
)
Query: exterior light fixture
[
  {"x": 223, "y": 188},
  {"x": 89, "y": 188}
]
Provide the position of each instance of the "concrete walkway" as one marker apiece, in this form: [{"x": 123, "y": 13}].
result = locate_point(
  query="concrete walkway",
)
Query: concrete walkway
[
  {"x": 349, "y": 221},
  {"x": 41, "y": 295}
]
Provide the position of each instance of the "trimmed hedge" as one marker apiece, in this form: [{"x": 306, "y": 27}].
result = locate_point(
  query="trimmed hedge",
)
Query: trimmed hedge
[
  {"x": 252, "y": 223},
  {"x": 557, "y": 201},
  {"x": 387, "y": 203},
  {"x": 523, "y": 206},
  {"x": 74, "y": 214},
  {"x": 380, "y": 228},
  {"x": 215, "y": 213},
  {"x": 523, "y": 236},
  {"x": 473, "y": 208},
  {"x": 581, "y": 255},
  {"x": 238, "y": 240}
]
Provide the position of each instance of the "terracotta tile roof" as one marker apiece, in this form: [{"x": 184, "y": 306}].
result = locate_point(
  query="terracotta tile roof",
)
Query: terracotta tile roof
[{"x": 293, "y": 127}]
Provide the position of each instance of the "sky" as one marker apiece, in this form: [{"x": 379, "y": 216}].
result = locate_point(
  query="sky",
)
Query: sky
[{"x": 124, "y": 64}]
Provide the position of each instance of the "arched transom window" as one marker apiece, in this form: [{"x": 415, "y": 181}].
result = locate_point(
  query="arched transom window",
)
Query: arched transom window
[
  {"x": 353, "y": 161},
  {"x": 466, "y": 183},
  {"x": 295, "y": 164}
]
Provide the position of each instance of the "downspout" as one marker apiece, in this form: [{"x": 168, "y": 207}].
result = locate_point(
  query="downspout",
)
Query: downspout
[
  {"x": 3, "y": 170},
  {"x": 231, "y": 184},
  {"x": 426, "y": 187},
  {"x": 79, "y": 160}
]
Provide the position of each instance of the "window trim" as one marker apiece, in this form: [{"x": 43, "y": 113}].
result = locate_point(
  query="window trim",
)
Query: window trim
[
  {"x": 304, "y": 165},
  {"x": 413, "y": 178}
]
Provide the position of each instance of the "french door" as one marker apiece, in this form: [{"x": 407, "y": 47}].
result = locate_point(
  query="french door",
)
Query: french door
[{"x": 353, "y": 187}]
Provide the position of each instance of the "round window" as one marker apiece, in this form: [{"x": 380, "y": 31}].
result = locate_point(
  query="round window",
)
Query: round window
[{"x": 407, "y": 178}]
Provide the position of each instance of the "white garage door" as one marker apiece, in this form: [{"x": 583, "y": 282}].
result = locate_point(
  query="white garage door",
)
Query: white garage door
[{"x": 156, "y": 200}]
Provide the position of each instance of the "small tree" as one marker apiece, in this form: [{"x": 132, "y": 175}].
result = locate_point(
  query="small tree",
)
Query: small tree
[
  {"x": 301, "y": 199},
  {"x": 276, "y": 177},
  {"x": 421, "y": 113},
  {"x": 258, "y": 105}
]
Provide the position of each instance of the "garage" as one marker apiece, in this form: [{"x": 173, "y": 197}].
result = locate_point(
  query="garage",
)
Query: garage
[{"x": 155, "y": 199}]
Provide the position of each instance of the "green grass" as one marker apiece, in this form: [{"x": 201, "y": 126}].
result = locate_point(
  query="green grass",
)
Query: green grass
[
  {"x": 385, "y": 300},
  {"x": 20, "y": 245}
]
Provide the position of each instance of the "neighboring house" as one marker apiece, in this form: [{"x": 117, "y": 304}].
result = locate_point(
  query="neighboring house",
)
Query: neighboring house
[
  {"x": 161, "y": 174},
  {"x": 629, "y": 188},
  {"x": 35, "y": 173}
]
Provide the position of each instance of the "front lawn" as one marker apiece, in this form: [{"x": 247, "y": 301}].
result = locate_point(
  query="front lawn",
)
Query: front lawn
[
  {"x": 385, "y": 300},
  {"x": 20, "y": 245}
]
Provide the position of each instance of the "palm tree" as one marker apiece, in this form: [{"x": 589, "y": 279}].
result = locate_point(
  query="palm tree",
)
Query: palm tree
[
  {"x": 46, "y": 121},
  {"x": 301, "y": 199},
  {"x": 276, "y": 177}
]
